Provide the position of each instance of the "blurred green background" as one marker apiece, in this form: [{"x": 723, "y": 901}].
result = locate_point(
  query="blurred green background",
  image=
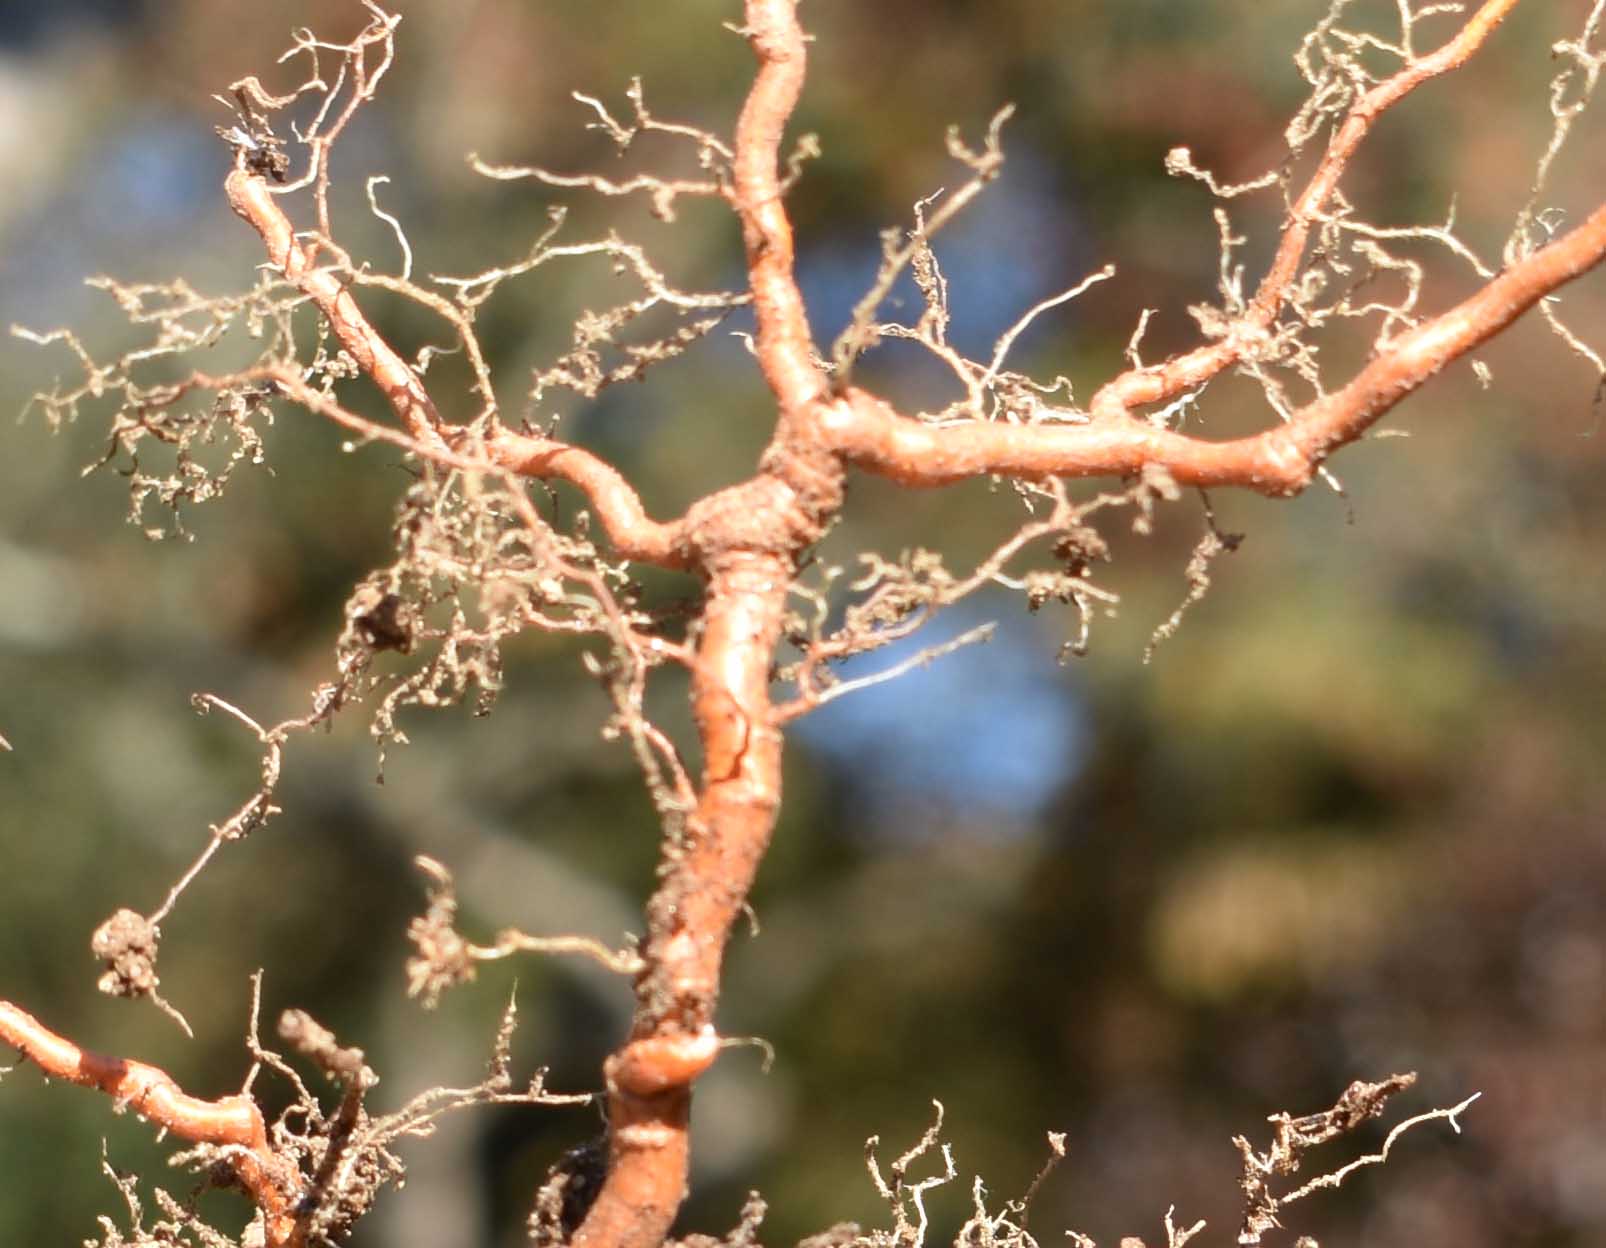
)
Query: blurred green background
[{"x": 1352, "y": 820}]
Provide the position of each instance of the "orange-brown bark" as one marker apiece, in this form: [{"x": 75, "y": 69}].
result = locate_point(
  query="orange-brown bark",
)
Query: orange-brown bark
[
  {"x": 785, "y": 352},
  {"x": 633, "y": 533},
  {"x": 249, "y": 196},
  {"x": 1278, "y": 461},
  {"x": 1164, "y": 381},
  {"x": 272, "y": 1183},
  {"x": 746, "y": 542}
]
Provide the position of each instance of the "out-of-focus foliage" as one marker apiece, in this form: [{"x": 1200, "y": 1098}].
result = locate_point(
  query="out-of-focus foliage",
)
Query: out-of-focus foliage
[{"x": 1351, "y": 820}]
